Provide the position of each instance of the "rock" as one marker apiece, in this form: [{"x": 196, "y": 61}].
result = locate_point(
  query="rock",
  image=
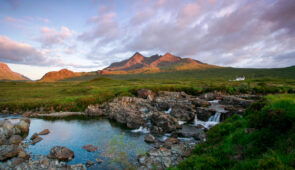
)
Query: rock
[
  {"x": 233, "y": 100},
  {"x": 95, "y": 110},
  {"x": 210, "y": 96},
  {"x": 34, "y": 136},
  {"x": 61, "y": 153},
  {"x": 204, "y": 113},
  {"x": 171, "y": 140},
  {"x": 191, "y": 131},
  {"x": 145, "y": 94},
  {"x": 22, "y": 154},
  {"x": 44, "y": 132},
  {"x": 15, "y": 139},
  {"x": 162, "y": 123},
  {"x": 8, "y": 151},
  {"x": 99, "y": 161},
  {"x": 90, "y": 148},
  {"x": 24, "y": 125},
  {"x": 149, "y": 138},
  {"x": 36, "y": 140},
  {"x": 183, "y": 112},
  {"x": 200, "y": 102},
  {"x": 89, "y": 163}
]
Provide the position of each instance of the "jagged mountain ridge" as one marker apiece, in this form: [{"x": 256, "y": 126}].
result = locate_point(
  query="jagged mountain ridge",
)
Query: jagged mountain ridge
[{"x": 156, "y": 63}]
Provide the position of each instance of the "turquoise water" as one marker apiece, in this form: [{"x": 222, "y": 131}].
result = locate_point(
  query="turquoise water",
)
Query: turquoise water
[{"x": 76, "y": 133}]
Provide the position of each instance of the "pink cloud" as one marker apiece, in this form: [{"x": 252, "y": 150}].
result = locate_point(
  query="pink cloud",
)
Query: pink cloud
[{"x": 50, "y": 36}]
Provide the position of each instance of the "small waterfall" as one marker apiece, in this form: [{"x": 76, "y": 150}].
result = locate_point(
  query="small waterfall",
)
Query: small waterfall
[
  {"x": 141, "y": 130},
  {"x": 215, "y": 118},
  {"x": 168, "y": 111}
]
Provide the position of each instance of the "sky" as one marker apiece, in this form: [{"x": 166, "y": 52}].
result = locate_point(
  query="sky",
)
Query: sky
[{"x": 37, "y": 36}]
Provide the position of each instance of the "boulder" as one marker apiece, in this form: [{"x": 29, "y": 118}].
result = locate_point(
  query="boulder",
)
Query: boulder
[
  {"x": 44, "y": 132},
  {"x": 233, "y": 100},
  {"x": 89, "y": 163},
  {"x": 149, "y": 138},
  {"x": 162, "y": 123},
  {"x": 36, "y": 140},
  {"x": 95, "y": 110},
  {"x": 61, "y": 153},
  {"x": 90, "y": 148},
  {"x": 145, "y": 94},
  {"x": 200, "y": 102},
  {"x": 210, "y": 96},
  {"x": 8, "y": 151},
  {"x": 99, "y": 161},
  {"x": 15, "y": 139},
  {"x": 34, "y": 136},
  {"x": 188, "y": 131},
  {"x": 183, "y": 112},
  {"x": 24, "y": 125},
  {"x": 171, "y": 140},
  {"x": 204, "y": 113}
]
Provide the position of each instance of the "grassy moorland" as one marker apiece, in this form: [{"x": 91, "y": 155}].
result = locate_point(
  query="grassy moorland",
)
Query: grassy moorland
[
  {"x": 264, "y": 138},
  {"x": 76, "y": 94}
]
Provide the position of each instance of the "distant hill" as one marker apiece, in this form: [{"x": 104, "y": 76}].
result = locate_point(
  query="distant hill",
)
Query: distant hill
[
  {"x": 62, "y": 74},
  {"x": 154, "y": 64},
  {"x": 7, "y": 74}
]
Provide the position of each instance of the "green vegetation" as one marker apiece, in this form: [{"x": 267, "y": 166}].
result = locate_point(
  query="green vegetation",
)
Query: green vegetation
[
  {"x": 77, "y": 95},
  {"x": 264, "y": 138}
]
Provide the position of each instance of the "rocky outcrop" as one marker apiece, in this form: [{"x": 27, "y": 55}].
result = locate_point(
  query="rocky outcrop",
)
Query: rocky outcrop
[
  {"x": 188, "y": 131},
  {"x": 42, "y": 163},
  {"x": 12, "y": 132},
  {"x": 61, "y": 153},
  {"x": 233, "y": 100},
  {"x": 163, "y": 123},
  {"x": 163, "y": 158},
  {"x": 146, "y": 94}
]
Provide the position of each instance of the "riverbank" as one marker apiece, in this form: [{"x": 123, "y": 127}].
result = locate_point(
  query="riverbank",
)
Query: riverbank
[{"x": 174, "y": 122}]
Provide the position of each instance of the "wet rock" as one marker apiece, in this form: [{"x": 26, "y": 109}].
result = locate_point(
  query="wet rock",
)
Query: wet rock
[
  {"x": 171, "y": 140},
  {"x": 44, "y": 132},
  {"x": 89, "y": 163},
  {"x": 204, "y": 113},
  {"x": 183, "y": 112},
  {"x": 61, "y": 153},
  {"x": 99, "y": 161},
  {"x": 149, "y": 138},
  {"x": 34, "y": 136},
  {"x": 191, "y": 131},
  {"x": 90, "y": 148},
  {"x": 8, "y": 151},
  {"x": 36, "y": 140},
  {"x": 22, "y": 154},
  {"x": 162, "y": 123},
  {"x": 231, "y": 110},
  {"x": 200, "y": 102}
]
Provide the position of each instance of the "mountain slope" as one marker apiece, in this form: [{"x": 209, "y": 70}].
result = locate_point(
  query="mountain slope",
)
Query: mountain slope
[
  {"x": 156, "y": 63},
  {"x": 7, "y": 74},
  {"x": 60, "y": 75}
]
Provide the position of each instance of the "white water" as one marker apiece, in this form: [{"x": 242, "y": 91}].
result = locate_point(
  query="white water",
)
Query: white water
[
  {"x": 181, "y": 122},
  {"x": 168, "y": 111},
  {"x": 141, "y": 130},
  {"x": 213, "y": 120}
]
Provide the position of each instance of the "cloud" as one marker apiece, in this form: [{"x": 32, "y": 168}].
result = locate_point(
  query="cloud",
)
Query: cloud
[
  {"x": 22, "y": 53},
  {"x": 105, "y": 29},
  {"x": 50, "y": 36}
]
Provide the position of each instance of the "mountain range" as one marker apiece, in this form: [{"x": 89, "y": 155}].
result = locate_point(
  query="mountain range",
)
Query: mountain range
[{"x": 134, "y": 65}]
